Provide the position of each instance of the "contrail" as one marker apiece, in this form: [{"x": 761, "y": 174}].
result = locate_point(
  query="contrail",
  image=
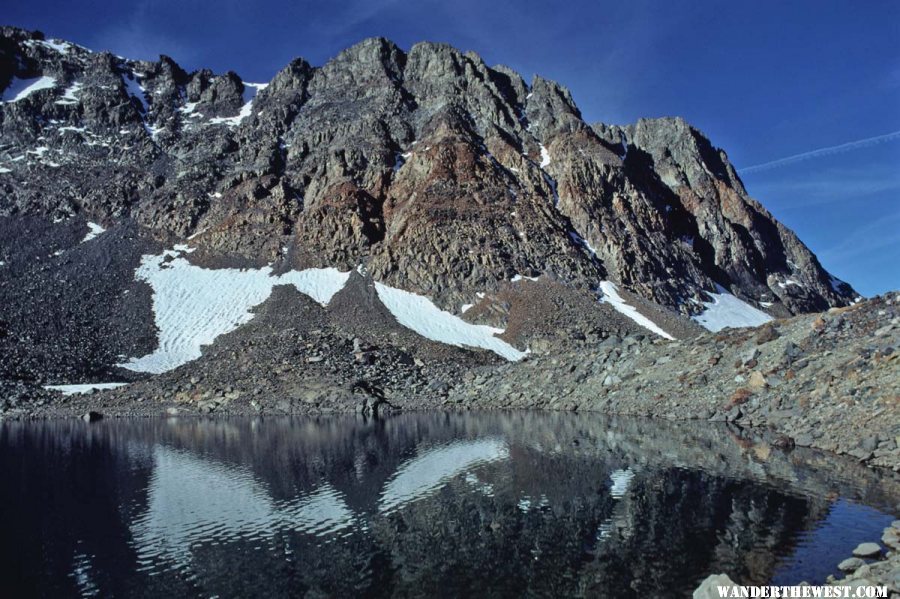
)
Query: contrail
[{"x": 847, "y": 147}]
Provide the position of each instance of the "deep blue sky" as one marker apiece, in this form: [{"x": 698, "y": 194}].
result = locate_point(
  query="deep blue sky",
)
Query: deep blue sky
[{"x": 765, "y": 80}]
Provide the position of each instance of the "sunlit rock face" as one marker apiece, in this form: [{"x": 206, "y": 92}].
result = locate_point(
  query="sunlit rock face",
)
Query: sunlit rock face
[
  {"x": 445, "y": 175},
  {"x": 423, "y": 504}
]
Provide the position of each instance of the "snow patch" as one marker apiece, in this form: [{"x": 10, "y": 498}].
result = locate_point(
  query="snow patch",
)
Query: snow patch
[
  {"x": 545, "y": 156},
  {"x": 579, "y": 240},
  {"x": 60, "y": 46},
  {"x": 418, "y": 313},
  {"x": 38, "y": 151},
  {"x": 19, "y": 89},
  {"x": 194, "y": 305},
  {"x": 788, "y": 282},
  {"x": 93, "y": 231},
  {"x": 188, "y": 109},
  {"x": 83, "y": 388},
  {"x": 69, "y": 96},
  {"x": 612, "y": 297},
  {"x": 136, "y": 90},
  {"x": 318, "y": 283},
  {"x": 725, "y": 310},
  {"x": 519, "y": 277},
  {"x": 250, "y": 92}
]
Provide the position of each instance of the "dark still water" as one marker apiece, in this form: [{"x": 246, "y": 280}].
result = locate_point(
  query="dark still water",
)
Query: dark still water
[{"x": 418, "y": 505}]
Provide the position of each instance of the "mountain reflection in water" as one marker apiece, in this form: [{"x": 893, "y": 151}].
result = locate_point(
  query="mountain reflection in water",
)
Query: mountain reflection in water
[{"x": 420, "y": 504}]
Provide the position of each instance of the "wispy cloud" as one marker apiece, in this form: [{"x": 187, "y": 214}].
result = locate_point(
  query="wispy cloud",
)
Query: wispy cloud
[
  {"x": 829, "y": 151},
  {"x": 866, "y": 183},
  {"x": 874, "y": 236}
]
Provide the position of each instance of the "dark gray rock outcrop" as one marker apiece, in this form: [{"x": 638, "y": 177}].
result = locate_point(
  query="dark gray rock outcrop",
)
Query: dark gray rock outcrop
[{"x": 445, "y": 175}]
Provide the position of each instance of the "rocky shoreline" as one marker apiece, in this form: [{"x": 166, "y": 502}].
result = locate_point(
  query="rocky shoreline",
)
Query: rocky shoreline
[
  {"x": 870, "y": 566},
  {"x": 829, "y": 381},
  {"x": 882, "y": 567}
]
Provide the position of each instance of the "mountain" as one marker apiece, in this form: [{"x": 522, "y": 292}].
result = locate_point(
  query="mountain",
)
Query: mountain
[{"x": 147, "y": 210}]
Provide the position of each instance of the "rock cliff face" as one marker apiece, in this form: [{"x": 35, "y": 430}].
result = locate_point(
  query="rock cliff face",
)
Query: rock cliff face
[{"x": 442, "y": 175}]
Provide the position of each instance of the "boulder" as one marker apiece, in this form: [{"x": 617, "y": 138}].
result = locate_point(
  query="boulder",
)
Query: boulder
[
  {"x": 851, "y": 564},
  {"x": 867, "y": 550}
]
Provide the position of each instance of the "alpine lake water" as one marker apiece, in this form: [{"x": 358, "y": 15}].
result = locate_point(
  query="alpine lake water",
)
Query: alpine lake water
[{"x": 420, "y": 504}]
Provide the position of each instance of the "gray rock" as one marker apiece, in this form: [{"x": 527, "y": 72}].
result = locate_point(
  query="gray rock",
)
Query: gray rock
[
  {"x": 893, "y": 579},
  {"x": 869, "y": 444},
  {"x": 733, "y": 414},
  {"x": 851, "y": 564},
  {"x": 804, "y": 440},
  {"x": 611, "y": 380},
  {"x": 749, "y": 356},
  {"x": 867, "y": 550},
  {"x": 891, "y": 538},
  {"x": 792, "y": 352},
  {"x": 886, "y": 329}
]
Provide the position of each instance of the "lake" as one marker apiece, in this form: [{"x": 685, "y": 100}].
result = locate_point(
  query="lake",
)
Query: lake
[{"x": 420, "y": 504}]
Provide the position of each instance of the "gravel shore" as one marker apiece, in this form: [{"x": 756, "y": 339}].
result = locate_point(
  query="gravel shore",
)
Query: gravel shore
[{"x": 829, "y": 381}]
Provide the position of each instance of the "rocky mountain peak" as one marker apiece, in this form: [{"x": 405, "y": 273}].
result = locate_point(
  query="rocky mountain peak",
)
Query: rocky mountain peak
[
  {"x": 551, "y": 109},
  {"x": 444, "y": 175}
]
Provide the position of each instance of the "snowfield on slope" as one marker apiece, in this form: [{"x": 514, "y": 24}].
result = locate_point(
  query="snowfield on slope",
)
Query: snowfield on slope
[
  {"x": 418, "y": 313},
  {"x": 725, "y": 310},
  {"x": 20, "y": 89},
  {"x": 192, "y": 306},
  {"x": 83, "y": 388},
  {"x": 611, "y": 296}
]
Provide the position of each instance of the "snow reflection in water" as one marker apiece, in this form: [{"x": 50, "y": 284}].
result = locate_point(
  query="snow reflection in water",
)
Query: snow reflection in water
[
  {"x": 434, "y": 467},
  {"x": 419, "y": 504},
  {"x": 193, "y": 500}
]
